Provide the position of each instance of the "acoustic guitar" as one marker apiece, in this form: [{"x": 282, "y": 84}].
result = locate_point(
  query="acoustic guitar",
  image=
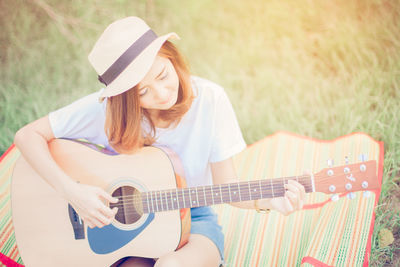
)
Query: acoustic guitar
[{"x": 154, "y": 203}]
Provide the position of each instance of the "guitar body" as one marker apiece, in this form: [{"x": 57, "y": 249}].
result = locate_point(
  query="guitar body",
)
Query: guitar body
[{"x": 49, "y": 233}]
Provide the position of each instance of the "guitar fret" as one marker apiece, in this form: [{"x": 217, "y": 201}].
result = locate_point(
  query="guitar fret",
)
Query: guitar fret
[
  {"x": 171, "y": 204},
  {"x": 220, "y": 194},
  {"x": 173, "y": 199},
  {"x": 211, "y": 194},
  {"x": 255, "y": 193},
  {"x": 166, "y": 200},
  {"x": 234, "y": 194},
  {"x": 195, "y": 201},
  {"x": 155, "y": 201},
  {"x": 226, "y": 197},
  {"x": 190, "y": 198},
  {"x": 265, "y": 188},
  {"x": 272, "y": 188},
  {"x": 159, "y": 207},
  {"x": 240, "y": 195},
  {"x": 280, "y": 185},
  {"x": 283, "y": 186},
  {"x": 205, "y": 197},
  {"x": 216, "y": 195},
  {"x": 248, "y": 184},
  {"x": 177, "y": 198},
  {"x": 201, "y": 196},
  {"x": 244, "y": 189},
  {"x": 163, "y": 204},
  {"x": 197, "y": 197},
  {"x": 187, "y": 202},
  {"x": 227, "y": 193},
  {"x": 158, "y": 200},
  {"x": 151, "y": 200},
  {"x": 182, "y": 196},
  {"x": 192, "y": 202}
]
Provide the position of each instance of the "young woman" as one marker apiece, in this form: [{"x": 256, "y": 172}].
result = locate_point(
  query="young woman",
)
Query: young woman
[{"x": 150, "y": 98}]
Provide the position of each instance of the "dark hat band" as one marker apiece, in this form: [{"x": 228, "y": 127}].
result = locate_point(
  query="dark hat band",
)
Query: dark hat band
[{"x": 127, "y": 57}]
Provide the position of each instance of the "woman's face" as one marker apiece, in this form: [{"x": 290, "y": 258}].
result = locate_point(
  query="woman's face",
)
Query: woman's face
[{"x": 159, "y": 88}]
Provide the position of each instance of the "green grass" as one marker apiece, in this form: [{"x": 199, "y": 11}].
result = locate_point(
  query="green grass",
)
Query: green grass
[{"x": 317, "y": 68}]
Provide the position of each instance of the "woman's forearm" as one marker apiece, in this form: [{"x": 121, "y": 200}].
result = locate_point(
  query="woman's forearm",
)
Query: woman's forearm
[{"x": 34, "y": 148}]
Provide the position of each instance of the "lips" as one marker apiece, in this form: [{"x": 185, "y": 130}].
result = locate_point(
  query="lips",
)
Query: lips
[{"x": 165, "y": 102}]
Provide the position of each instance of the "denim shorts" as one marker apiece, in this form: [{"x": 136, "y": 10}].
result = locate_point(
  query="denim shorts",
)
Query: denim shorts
[{"x": 205, "y": 222}]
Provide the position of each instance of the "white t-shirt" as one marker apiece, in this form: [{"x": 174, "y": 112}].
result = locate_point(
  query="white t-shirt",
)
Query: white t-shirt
[{"x": 208, "y": 132}]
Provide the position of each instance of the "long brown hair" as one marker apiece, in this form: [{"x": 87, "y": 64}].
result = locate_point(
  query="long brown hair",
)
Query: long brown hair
[{"x": 124, "y": 116}]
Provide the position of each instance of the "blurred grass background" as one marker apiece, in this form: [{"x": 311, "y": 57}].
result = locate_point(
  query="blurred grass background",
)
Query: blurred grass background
[{"x": 317, "y": 68}]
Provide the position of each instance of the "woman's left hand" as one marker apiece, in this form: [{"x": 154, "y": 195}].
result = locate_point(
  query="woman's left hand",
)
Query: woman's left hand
[{"x": 292, "y": 201}]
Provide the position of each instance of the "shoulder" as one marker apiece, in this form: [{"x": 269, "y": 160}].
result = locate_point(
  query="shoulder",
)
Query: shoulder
[
  {"x": 206, "y": 89},
  {"x": 86, "y": 106},
  {"x": 92, "y": 99},
  {"x": 89, "y": 102}
]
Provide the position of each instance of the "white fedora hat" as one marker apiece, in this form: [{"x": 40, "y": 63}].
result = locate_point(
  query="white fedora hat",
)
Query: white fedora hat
[{"x": 124, "y": 53}]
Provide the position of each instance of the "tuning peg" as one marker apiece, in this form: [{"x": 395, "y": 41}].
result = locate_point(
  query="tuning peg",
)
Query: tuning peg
[
  {"x": 348, "y": 186},
  {"x": 363, "y": 168},
  {"x": 363, "y": 157},
  {"x": 330, "y": 163},
  {"x": 332, "y": 188},
  {"x": 366, "y": 194},
  {"x": 335, "y": 197},
  {"x": 351, "y": 195}
]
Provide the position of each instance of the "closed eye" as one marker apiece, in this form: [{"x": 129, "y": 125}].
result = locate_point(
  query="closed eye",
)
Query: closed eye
[
  {"x": 143, "y": 91},
  {"x": 164, "y": 76}
]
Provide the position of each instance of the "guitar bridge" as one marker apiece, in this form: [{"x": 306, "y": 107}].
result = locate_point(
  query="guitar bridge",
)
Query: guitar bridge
[{"x": 77, "y": 223}]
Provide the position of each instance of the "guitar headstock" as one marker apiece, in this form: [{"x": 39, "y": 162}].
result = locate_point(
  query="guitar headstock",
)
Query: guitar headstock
[{"x": 347, "y": 178}]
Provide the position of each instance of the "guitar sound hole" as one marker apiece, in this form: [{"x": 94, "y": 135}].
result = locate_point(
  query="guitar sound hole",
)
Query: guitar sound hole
[{"x": 129, "y": 205}]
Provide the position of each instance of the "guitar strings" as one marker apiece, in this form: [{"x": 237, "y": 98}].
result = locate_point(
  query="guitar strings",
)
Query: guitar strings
[
  {"x": 276, "y": 182},
  {"x": 166, "y": 200},
  {"x": 210, "y": 189},
  {"x": 163, "y": 195},
  {"x": 159, "y": 207}
]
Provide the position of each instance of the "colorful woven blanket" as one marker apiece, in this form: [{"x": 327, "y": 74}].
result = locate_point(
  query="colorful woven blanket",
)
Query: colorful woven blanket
[{"x": 324, "y": 233}]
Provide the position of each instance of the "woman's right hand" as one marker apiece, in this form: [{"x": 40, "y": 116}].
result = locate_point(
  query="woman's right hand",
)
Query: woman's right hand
[{"x": 87, "y": 201}]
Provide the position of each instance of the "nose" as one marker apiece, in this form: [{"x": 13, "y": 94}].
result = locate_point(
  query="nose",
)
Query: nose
[{"x": 161, "y": 92}]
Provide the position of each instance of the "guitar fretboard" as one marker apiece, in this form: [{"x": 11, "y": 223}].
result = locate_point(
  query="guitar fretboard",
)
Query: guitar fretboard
[{"x": 164, "y": 200}]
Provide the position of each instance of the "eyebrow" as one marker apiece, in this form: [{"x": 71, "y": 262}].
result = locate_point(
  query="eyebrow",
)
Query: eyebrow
[{"x": 155, "y": 77}]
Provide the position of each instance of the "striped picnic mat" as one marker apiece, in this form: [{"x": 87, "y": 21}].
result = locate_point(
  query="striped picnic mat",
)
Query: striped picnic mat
[
  {"x": 9, "y": 255},
  {"x": 324, "y": 233}
]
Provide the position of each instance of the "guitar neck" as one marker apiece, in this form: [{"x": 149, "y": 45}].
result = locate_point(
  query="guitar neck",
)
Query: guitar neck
[{"x": 164, "y": 200}]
